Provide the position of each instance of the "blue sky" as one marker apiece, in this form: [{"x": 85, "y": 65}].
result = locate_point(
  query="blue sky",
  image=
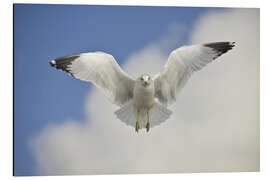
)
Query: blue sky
[{"x": 43, "y": 95}]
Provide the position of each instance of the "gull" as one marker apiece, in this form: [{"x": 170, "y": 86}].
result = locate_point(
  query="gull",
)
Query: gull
[{"x": 143, "y": 101}]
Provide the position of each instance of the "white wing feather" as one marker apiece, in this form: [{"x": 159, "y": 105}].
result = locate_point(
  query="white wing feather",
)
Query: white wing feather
[
  {"x": 102, "y": 70},
  {"x": 181, "y": 64}
]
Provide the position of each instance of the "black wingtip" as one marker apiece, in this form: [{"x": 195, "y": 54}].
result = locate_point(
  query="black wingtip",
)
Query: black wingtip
[
  {"x": 53, "y": 63},
  {"x": 220, "y": 47},
  {"x": 62, "y": 63},
  {"x": 232, "y": 44}
]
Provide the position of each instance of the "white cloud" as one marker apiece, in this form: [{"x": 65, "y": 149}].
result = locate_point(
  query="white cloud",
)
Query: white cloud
[{"x": 214, "y": 127}]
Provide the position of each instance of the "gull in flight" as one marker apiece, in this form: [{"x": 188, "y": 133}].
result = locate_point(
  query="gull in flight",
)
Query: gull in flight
[{"x": 143, "y": 101}]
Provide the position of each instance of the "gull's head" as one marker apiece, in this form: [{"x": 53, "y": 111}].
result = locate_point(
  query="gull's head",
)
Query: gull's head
[{"x": 145, "y": 80}]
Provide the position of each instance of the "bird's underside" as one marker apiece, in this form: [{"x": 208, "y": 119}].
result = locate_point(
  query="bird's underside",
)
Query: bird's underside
[
  {"x": 143, "y": 101},
  {"x": 143, "y": 118}
]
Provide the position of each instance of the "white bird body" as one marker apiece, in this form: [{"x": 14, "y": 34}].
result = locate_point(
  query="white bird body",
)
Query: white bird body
[{"x": 144, "y": 96}]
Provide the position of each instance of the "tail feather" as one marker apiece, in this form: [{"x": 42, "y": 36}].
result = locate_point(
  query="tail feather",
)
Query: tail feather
[
  {"x": 128, "y": 115},
  {"x": 159, "y": 114}
]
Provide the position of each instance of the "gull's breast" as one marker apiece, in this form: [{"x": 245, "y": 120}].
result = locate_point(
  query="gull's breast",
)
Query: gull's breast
[{"x": 143, "y": 97}]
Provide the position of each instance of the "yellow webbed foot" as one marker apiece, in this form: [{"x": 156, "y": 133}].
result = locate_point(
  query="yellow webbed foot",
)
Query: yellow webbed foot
[
  {"x": 148, "y": 120},
  {"x": 147, "y": 126},
  {"x": 137, "y": 126}
]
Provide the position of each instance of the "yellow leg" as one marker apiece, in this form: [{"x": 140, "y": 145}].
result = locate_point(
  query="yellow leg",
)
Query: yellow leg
[
  {"x": 137, "y": 121},
  {"x": 148, "y": 121}
]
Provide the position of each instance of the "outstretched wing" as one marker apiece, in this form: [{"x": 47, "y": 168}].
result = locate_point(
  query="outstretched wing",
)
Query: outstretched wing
[
  {"x": 102, "y": 70},
  {"x": 181, "y": 64}
]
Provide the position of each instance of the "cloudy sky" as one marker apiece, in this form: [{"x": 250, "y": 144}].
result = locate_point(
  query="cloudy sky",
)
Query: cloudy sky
[{"x": 65, "y": 126}]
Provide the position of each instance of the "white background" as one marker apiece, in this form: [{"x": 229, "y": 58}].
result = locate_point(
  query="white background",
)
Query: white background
[{"x": 6, "y": 127}]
